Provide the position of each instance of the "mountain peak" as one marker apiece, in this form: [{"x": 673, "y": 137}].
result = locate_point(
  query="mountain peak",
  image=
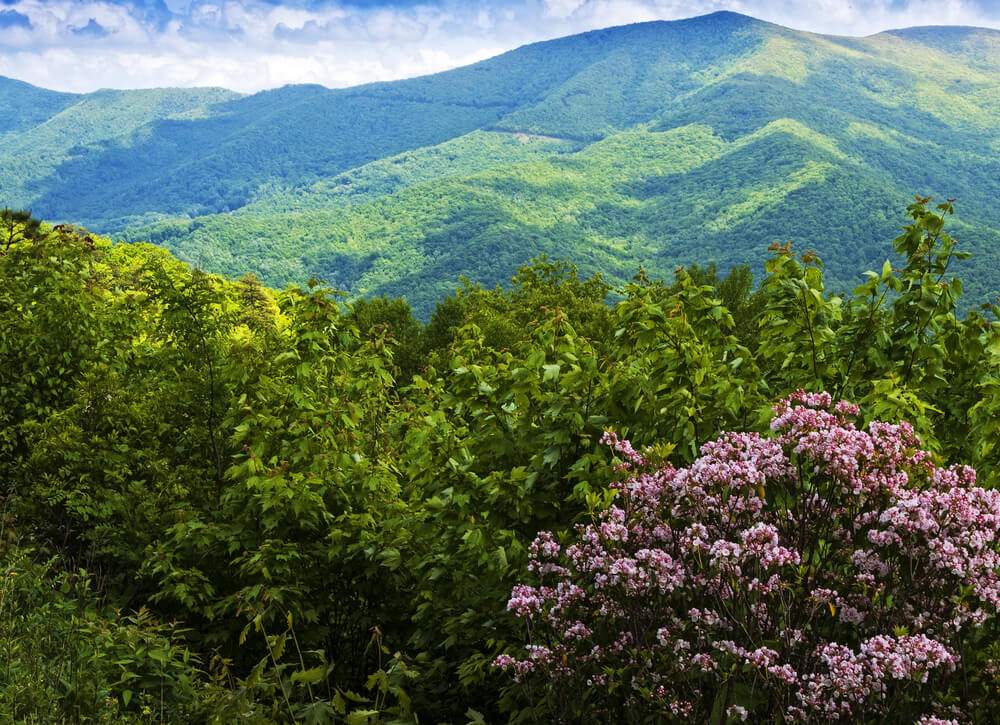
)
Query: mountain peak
[{"x": 728, "y": 15}]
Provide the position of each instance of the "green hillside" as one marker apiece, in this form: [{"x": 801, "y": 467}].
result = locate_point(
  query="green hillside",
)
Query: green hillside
[
  {"x": 32, "y": 105},
  {"x": 54, "y": 136},
  {"x": 654, "y": 144}
]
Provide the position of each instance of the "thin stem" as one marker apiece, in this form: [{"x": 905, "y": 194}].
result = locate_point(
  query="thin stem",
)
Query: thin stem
[
  {"x": 277, "y": 670},
  {"x": 812, "y": 336}
]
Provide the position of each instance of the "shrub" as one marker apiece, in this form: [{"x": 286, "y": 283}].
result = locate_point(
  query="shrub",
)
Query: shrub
[
  {"x": 66, "y": 657},
  {"x": 821, "y": 573}
]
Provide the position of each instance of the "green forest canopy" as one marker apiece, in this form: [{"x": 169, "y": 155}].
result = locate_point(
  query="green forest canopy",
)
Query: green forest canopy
[{"x": 315, "y": 491}]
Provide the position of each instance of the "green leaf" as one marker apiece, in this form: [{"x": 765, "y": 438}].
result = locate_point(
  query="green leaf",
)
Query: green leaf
[
  {"x": 391, "y": 559},
  {"x": 360, "y": 717},
  {"x": 317, "y": 713},
  {"x": 310, "y": 676},
  {"x": 501, "y": 556}
]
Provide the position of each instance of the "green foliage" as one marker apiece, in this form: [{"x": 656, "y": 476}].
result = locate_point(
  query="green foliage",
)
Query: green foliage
[
  {"x": 637, "y": 198},
  {"x": 504, "y": 316},
  {"x": 17, "y": 226},
  {"x": 393, "y": 318},
  {"x": 34, "y": 105},
  {"x": 797, "y": 326},
  {"x": 335, "y": 499},
  {"x": 114, "y": 393},
  {"x": 681, "y": 375},
  {"x": 68, "y": 658}
]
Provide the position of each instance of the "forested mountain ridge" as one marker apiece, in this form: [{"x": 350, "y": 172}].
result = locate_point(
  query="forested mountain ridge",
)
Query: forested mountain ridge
[
  {"x": 652, "y": 144},
  {"x": 297, "y": 133},
  {"x": 31, "y": 105}
]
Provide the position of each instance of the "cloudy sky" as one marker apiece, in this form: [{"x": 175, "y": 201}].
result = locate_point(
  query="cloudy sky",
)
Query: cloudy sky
[{"x": 249, "y": 45}]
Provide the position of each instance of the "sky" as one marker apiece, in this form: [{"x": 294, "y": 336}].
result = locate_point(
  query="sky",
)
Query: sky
[{"x": 251, "y": 45}]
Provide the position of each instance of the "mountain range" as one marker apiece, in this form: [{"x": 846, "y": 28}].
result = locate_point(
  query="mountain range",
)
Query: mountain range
[{"x": 648, "y": 145}]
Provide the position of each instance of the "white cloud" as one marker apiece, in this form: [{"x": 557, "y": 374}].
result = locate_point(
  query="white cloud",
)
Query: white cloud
[
  {"x": 18, "y": 37},
  {"x": 865, "y": 17},
  {"x": 562, "y": 8},
  {"x": 248, "y": 45}
]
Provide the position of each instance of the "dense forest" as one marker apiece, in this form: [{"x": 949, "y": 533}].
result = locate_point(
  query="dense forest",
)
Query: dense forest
[
  {"x": 654, "y": 145},
  {"x": 223, "y": 502}
]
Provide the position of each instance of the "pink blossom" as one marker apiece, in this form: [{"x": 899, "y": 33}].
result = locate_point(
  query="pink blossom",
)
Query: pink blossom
[{"x": 830, "y": 568}]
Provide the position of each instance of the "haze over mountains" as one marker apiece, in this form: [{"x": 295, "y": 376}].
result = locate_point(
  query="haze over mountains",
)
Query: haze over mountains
[{"x": 652, "y": 144}]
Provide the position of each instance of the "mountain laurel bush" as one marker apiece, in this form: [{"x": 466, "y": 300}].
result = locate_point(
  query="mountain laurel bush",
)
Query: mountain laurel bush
[{"x": 820, "y": 573}]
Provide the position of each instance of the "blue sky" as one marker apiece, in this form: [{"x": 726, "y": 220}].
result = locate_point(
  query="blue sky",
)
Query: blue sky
[{"x": 249, "y": 45}]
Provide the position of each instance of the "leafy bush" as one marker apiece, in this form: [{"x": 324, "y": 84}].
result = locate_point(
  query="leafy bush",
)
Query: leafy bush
[{"x": 66, "y": 657}]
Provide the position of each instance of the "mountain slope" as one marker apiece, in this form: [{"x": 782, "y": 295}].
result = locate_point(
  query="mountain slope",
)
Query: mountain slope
[
  {"x": 53, "y": 136},
  {"x": 215, "y": 161},
  {"x": 655, "y": 198},
  {"x": 31, "y": 105},
  {"x": 652, "y": 144}
]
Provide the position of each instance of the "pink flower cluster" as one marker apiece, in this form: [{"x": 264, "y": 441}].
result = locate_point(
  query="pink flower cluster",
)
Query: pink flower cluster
[
  {"x": 829, "y": 571},
  {"x": 631, "y": 456},
  {"x": 858, "y": 677}
]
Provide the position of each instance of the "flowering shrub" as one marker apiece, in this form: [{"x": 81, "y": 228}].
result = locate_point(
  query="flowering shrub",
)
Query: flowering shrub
[{"x": 823, "y": 573}]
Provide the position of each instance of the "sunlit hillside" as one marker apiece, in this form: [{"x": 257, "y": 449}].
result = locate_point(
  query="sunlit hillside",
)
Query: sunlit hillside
[{"x": 653, "y": 144}]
